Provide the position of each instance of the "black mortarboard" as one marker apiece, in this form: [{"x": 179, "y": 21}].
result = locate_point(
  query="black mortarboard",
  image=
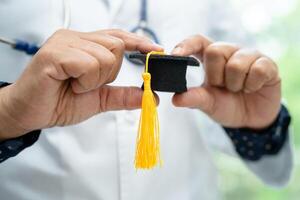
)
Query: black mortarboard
[{"x": 168, "y": 72}]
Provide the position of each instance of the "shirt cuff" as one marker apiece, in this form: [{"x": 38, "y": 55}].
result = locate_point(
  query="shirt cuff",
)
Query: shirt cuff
[
  {"x": 253, "y": 145},
  {"x": 12, "y": 147}
]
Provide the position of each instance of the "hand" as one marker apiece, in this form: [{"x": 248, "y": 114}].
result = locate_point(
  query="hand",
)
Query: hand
[
  {"x": 65, "y": 83},
  {"x": 242, "y": 87}
]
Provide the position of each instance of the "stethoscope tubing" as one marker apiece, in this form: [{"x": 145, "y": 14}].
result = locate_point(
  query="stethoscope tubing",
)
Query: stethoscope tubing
[
  {"x": 31, "y": 48},
  {"x": 142, "y": 26}
]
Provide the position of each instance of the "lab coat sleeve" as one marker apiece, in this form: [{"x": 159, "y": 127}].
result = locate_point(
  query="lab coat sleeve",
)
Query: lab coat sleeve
[{"x": 273, "y": 170}]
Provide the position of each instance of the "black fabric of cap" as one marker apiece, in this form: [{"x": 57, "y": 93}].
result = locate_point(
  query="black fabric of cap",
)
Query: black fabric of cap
[{"x": 168, "y": 73}]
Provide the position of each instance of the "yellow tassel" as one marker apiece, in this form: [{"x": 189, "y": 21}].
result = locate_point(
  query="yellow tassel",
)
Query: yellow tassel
[{"x": 147, "y": 145}]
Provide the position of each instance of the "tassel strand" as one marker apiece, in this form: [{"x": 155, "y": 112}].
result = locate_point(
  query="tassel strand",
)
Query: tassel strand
[{"x": 148, "y": 145}]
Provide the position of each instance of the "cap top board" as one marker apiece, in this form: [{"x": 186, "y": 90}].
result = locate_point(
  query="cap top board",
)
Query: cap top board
[{"x": 168, "y": 72}]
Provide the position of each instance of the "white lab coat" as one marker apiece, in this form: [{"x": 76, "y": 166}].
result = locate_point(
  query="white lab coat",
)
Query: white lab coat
[{"x": 95, "y": 159}]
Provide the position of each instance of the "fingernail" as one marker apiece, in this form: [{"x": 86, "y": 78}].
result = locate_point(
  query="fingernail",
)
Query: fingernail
[
  {"x": 177, "y": 51},
  {"x": 159, "y": 46}
]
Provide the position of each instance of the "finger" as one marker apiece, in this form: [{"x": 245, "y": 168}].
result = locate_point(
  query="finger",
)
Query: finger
[
  {"x": 263, "y": 72},
  {"x": 89, "y": 78},
  {"x": 120, "y": 98},
  {"x": 115, "y": 45},
  {"x": 134, "y": 42},
  {"x": 193, "y": 45},
  {"x": 196, "y": 97},
  {"x": 76, "y": 64},
  {"x": 215, "y": 58},
  {"x": 237, "y": 68},
  {"x": 108, "y": 64}
]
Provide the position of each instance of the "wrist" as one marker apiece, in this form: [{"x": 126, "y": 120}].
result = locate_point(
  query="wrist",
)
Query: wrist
[
  {"x": 10, "y": 127},
  {"x": 252, "y": 144},
  {"x": 268, "y": 121}
]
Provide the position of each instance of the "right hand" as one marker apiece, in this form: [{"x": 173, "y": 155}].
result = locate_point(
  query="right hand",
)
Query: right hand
[{"x": 65, "y": 83}]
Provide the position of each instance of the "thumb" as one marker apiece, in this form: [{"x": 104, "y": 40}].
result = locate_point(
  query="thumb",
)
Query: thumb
[
  {"x": 120, "y": 98},
  {"x": 196, "y": 97}
]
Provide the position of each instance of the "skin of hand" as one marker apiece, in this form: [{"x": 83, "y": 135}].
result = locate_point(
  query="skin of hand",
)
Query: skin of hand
[
  {"x": 66, "y": 81},
  {"x": 242, "y": 87}
]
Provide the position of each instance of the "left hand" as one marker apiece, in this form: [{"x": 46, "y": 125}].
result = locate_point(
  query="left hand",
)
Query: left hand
[{"x": 242, "y": 87}]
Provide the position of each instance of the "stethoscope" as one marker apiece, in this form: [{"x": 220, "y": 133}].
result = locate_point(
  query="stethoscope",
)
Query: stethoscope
[
  {"x": 142, "y": 28},
  {"x": 31, "y": 48}
]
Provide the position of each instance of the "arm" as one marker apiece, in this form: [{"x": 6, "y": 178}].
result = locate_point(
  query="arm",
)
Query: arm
[
  {"x": 232, "y": 30},
  {"x": 12, "y": 147},
  {"x": 264, "y": 148},
  {"x": 242, "y": 89},
  {"x": 66, "y": 83}
]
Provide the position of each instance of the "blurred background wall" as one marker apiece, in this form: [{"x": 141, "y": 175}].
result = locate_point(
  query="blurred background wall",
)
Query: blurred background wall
[{"x": 276, "y": 26}]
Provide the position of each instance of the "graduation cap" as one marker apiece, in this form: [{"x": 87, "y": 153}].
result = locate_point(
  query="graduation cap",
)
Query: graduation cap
[
  {"x": 162, "y": 73},
  {"x": 168, "y": 72}
]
